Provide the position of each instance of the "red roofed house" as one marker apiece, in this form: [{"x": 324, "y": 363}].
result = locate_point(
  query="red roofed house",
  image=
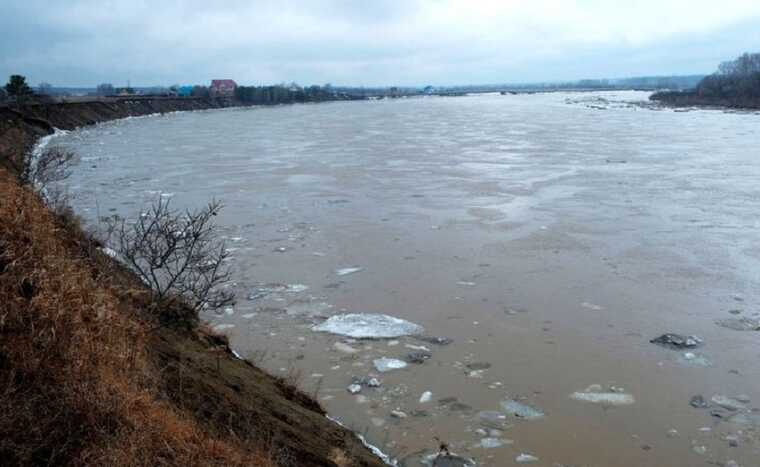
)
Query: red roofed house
[{"x": 223, "y": 87}]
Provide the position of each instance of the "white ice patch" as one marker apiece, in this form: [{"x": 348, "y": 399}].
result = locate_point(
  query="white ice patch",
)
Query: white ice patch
[
  {"x": 607, "y": 398},
  {"x": 110, "y": 252},
  {"x": 426, "y": 397},
  {"x": 388, "y": 364},
  {"x": 223, "y": 327},
  {"x": 347, "y": 271},
  {"x": 368, "y": 326}
]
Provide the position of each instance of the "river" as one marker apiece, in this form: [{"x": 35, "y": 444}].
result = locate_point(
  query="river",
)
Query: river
[{"x": 550, "y": 236}]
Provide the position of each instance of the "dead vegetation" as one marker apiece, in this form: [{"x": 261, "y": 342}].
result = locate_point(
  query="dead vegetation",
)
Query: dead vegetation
[
  {"x": 178, "y": 255},
  {"x": 78, "y": 387}
]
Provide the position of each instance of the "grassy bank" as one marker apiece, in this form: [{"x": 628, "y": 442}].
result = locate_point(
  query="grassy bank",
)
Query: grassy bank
[{"x": 88, "y": 378}]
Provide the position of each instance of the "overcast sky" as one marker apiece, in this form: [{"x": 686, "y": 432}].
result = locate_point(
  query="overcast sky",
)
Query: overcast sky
[{"x": 369, "y": 42}]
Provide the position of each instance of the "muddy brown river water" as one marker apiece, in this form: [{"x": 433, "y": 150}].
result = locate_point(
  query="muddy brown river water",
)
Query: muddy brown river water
[{"x": 550, "y": 236}]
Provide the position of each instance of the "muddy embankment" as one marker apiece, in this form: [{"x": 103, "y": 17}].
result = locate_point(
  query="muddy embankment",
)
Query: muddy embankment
[
  {"x": 693, "y": 99},
  {"x": 68, "y": 313}
]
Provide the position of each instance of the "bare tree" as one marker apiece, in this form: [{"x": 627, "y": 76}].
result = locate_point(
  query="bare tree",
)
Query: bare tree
[
  {"x": 177, "y": 254},
  {"x": 50, "y": 166}
]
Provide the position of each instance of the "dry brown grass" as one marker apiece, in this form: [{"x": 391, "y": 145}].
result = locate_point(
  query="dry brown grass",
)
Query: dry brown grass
[{"x": 76, "y": 384}]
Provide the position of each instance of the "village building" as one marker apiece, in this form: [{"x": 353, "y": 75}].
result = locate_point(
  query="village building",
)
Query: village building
[{"x": 222, "y": 88}]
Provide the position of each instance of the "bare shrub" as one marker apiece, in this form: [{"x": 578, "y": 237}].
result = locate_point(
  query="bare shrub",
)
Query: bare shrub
[
  {"x": 177, "y": 253},
  {"x": 51, "y": 166}
]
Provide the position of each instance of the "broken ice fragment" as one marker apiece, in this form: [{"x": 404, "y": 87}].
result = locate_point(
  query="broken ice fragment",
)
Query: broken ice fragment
[
  {"x": 418, "y": 357},
  {"x": 493, "y": 419},
  {"x": 345, "y": 348},
  {"x": 739, "y": 324},
  {"x": 608, "y": 398},
  {"x": 728, "y": 402},
  {"x": 426, "y": 397},
  {"x": 525, "y": 458},
  {"x": 491, "y": 443},
  {"x": 518, "y": 409},
  {"x": 388, "y": 364},
  {"x": 354, "y": 388},
  {"x": 368, "y": 326},
  {"x": 347, "y": 271}
]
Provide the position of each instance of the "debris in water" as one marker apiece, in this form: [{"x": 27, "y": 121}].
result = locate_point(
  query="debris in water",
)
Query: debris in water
[
  {"x": 698, "y": 402},
  {"x": 388, "y": 364},
  {"x": 478, "y": 366},
  {"x": 520, "y": 410},
  {"x": 347, "y": 271},
  {"x": 739, "y": 324},
  {"x": 368, "y": 326},
  {"x": 607, "y": 398},
  {"x": 677, "y": 341},
  {"x": 448, "y": 460},
  {"x": 398, "y": 414},
  {"x": 354, "y": 388},
  {"x": 435, "y": 340},
  {"x": 373, "y": 383},
  {"x": 418, "y": 357},
  {"x": 525, "y": 458},
  {"x": 426, "y": 397}
]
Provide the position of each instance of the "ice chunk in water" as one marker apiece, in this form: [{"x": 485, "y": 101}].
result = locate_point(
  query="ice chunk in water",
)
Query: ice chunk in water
[
  {"x": 368, "y": 326},
  {"x": 525, "y": 458},
  {"x": 728, "y": 402},
  {"x": 425, "y": 397},
  {"x": 387, "y": 364},
  {"x": 491, "y": 443},
  {"x": 347, "y": 271},
  {"x": 520, "y": 410},
  {"x": 608, "y": 398}
]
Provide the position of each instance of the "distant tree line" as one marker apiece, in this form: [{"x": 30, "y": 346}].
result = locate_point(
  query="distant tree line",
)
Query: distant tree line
[
  {"x": 286, "y": 94},
  {"x": 735, "y": 84},
  {"x": 738, "y": 78}
]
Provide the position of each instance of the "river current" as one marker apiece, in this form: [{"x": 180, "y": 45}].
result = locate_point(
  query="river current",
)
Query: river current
[{"x": 549, "y": 236}]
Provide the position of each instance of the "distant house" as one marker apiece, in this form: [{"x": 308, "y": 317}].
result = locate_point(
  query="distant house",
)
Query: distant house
[{"x": 222, "y": 87}]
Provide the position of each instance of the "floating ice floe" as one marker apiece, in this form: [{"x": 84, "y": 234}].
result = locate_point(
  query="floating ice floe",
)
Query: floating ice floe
[
  {"x": 345, "y": 348},
  {"x": 694, "y": 359},
  {"x": 739, "y": 324},
  {"x": 607, "y": 398},
  {"x": 368, "y": 326},
  {"x": 388, "y": 364},
  {"x": 492, "y": 419},
  {"x": 269, "y": 289},
  {"x": 729, "y": 403},
  {"x": 347, "y": 271},
  {"x": 491, "y": 443},
  {"x": 520, "y": 410},
  {"x": 426, "y": 397},
  {"x": 525, "y": 459}
]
